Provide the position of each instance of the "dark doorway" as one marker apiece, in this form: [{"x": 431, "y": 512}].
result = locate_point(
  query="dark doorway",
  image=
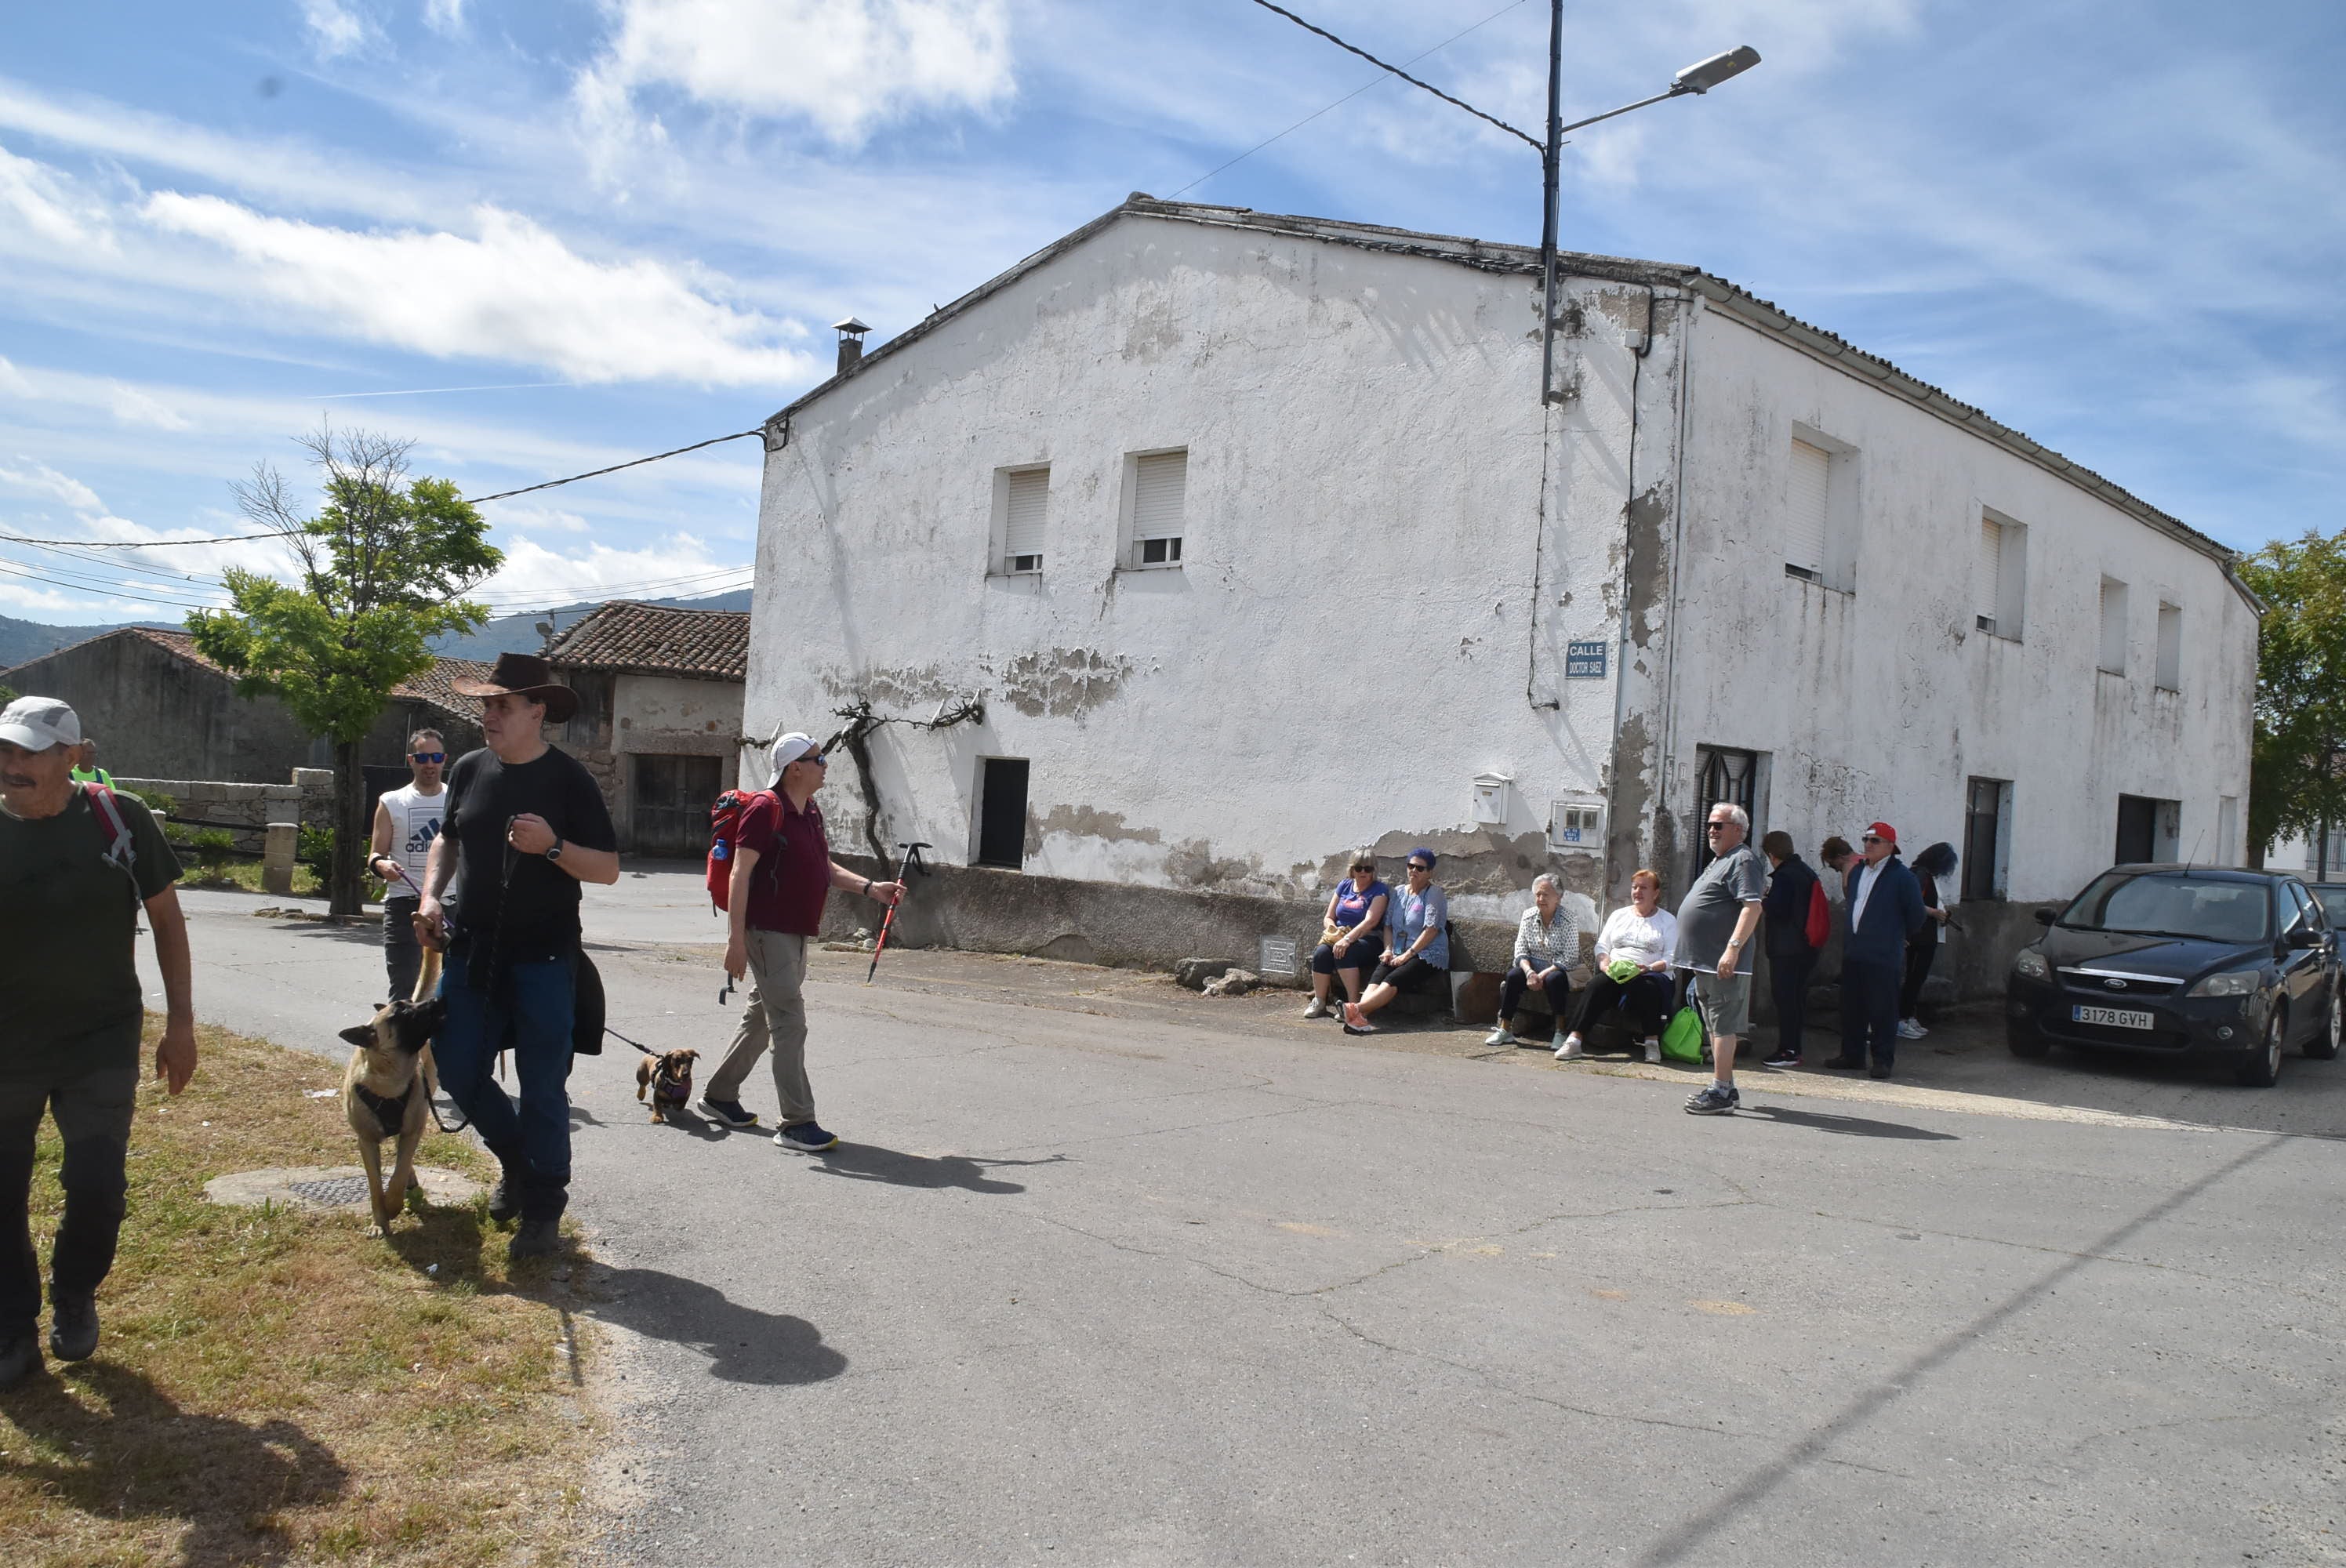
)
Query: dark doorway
[
  {"x": 669, "y": 804},
  {"x": 1722, "y": 777},
  {"x": 1001, "y": 813},
  {"x": 1983, "y": 832},
  {"x": 2137, "y": 829}
]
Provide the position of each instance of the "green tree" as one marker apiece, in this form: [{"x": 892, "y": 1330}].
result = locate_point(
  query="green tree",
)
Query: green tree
[
  {"x": 2297, "y": 781},
  {"x": 380, "y": 570}
]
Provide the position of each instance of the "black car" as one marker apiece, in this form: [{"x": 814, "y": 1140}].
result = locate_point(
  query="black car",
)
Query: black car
[{"x": 2183, "y": 960}]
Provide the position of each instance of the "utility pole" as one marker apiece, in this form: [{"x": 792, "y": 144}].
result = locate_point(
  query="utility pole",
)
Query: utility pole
[{"x": 1551, "y": 158}]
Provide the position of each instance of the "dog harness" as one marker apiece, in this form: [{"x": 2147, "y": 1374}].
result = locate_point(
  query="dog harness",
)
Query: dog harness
[
  {"x": 672, "y": 1092},
  {"x": 388, "y": 1113}
]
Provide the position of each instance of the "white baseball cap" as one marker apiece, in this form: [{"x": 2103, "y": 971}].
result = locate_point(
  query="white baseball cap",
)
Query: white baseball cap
[
  {"x": 790, "y": 748},
  {"x": 37, "y": 723}
]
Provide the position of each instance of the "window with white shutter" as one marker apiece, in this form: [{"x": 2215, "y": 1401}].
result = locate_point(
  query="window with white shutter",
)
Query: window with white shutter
[
  {"x": 2114, "y": 625},
  {"x": 1988, "y": 586},
  {"x": 1025, "y": 504},
  {"x": 1808, "y": 500},
  {"x": 2170, "y": 672},
  {"x": 1160, "y": 483}
]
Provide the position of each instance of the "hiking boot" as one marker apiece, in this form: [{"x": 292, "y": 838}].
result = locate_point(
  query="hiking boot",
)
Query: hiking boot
[
  {"x": 731, "y": 1113},
  {"x": 73, "y": 1327},
  {"x": 1316, "y": 1008},
  {"x": 1846, "y": 1064},
  {"x": 1718, "y": 1100},
  {"x": 806, "y": 1137},
  {"x": 1879, "y": 1070},
  {"x": 535, "y": 1239},
  {"x": 1502, "y": 1035},
  {"x": 504, "y": 1201},
  {"x": 1567, "y": 1048},
  {"x": 18, "y": 1356}
]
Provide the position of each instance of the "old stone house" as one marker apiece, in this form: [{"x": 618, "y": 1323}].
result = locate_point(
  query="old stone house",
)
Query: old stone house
[
  {"x": 159, "y": 709},
  {"x": 1256, "y": 540},
  {"x": 660, "y": 715}
]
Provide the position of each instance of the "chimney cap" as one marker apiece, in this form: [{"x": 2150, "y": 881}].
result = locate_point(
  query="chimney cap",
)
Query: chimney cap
[{"x": 851, "y": 327}]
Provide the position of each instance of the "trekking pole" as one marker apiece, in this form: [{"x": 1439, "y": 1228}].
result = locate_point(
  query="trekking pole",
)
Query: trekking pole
[{"x": 911, "y": 859}]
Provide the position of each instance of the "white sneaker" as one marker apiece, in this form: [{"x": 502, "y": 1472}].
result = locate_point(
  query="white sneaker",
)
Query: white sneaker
[
  {"x": 1909, "y": 1030},
  {"x": 1316, "y": 1009},
  {"x": 1653, "y": 1051},
  {"x": 1569, "y": 1051},
  {"x": 1502, "y": 1035}
]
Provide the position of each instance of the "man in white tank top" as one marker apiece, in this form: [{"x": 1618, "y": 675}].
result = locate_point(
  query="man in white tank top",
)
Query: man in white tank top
[{"x": 406, "y": 821}]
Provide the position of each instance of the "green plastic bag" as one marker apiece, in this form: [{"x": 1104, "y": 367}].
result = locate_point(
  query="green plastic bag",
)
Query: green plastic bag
[
  {"x": 1682, "y": 1041},
  {"x": 1624, "y": 970}
]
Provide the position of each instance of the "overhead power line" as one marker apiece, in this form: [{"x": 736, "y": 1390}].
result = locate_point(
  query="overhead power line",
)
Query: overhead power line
[
  {"x": 597, "y": 473},
  {"x": 150, "y": 544},
  {"x": 1536, "y": 145}
]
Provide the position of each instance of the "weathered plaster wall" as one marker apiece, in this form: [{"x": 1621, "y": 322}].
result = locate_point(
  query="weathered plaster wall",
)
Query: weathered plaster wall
[
  {"x": 1351, "y": 635},
  {"x": 667, "y": 716},
  {"x": 1882, "y": 701}
]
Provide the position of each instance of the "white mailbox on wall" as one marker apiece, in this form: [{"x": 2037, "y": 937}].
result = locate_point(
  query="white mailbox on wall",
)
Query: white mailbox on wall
[
  {"x": 1577, "y": 825},
  {"x": 1493, "y": 796}
]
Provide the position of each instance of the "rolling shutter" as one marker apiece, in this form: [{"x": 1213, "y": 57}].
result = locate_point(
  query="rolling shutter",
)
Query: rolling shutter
[
  {"x": 1158, "y": 483},
  {"x": 1022, "y": 533},
  {"x": 1988, "y": 593},
  {"x": 1804, "y": 531}
]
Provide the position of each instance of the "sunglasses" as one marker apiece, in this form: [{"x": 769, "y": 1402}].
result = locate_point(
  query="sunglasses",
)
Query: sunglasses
[
  {"x": 1873, "y": 839},
  {"x": 1364, "y": 866},
  {"x": 1419, "y": 865},
  {"x": 427, "y": 756},
  {"x": 814, "y": 759},
  {"x": 1715, "y": 826}
]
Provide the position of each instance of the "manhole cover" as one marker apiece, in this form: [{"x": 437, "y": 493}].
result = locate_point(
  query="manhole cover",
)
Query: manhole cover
[{"x": 331, "y": 1193}]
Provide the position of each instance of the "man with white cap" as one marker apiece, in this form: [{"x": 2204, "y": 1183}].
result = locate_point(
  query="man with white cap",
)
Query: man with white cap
[
  {"x": 77, "y": 867},
  {"x": 782, "y": 873}
]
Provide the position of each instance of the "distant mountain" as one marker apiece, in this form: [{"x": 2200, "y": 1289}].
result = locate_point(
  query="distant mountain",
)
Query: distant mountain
[
  {"x": 519, "y": 634},
  {"x": 23, "y": 640}
]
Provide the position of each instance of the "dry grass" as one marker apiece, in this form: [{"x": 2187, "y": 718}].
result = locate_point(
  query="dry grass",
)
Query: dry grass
[
  {"x": 245, "y": 876},
  {"x": 273, "y": 1386}
]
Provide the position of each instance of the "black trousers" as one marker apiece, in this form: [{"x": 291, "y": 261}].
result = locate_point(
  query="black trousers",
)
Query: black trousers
[
  {"x": 93, "y": 1109},
  {"x": 1515, "y": 985},
  {"x": 1788, "y": 983},
  {"x": 1869, "y": 1013},
  {"x": 1644, "y": 997},
  {"x": 1918, "y": 970}
]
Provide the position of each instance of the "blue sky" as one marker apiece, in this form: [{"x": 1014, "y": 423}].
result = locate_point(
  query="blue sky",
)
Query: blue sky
[{"x": 622, "y": 227}]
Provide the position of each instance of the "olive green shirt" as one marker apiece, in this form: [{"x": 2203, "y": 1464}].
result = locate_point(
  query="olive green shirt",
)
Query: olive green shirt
[{"x": 68, "y": 918}]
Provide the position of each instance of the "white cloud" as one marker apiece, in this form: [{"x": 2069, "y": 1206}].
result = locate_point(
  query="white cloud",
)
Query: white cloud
[
  {"x": 446, "y": 17},
  {"x": 13, "y": 381},
  {"x": 845, "y": 66},
  {"x": 46, "y": 205},
  {"x": 514, "y": 293},
  {"x": 132, "y": 406},
  {"x": 335, "y": 29},
  {"x": 39, "y": 479},
  {"x": 678, "y": 566}
]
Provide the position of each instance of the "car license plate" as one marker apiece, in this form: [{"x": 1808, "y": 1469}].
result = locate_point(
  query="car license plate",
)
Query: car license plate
[{"x": 2114, "y": 1017}]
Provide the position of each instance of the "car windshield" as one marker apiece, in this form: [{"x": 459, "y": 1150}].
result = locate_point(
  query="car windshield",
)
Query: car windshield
[
  {"x": 2174, "y": 903},
  {"x": 2332, "y": 897}
]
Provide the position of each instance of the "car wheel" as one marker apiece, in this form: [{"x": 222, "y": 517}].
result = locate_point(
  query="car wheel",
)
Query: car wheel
[
  {"x": 2027, "y": 1042},
  {"x": 2259, "y": 1067},
  {"x": 2323, "y": 1046}
]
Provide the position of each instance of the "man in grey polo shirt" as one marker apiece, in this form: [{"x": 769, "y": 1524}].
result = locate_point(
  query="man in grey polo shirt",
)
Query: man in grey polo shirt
[{"x": 1715, "y": 926}]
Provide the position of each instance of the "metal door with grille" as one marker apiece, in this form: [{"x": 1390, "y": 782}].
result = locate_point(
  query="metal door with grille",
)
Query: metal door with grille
[
  {"x": 669, "y": 804},
  {"x": 1722, "y": 777},
  {"x": 1983, "y": 832}
]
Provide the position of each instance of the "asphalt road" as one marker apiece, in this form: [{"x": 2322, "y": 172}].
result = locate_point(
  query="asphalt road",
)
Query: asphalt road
[{"x": 1106, "y": 1273}]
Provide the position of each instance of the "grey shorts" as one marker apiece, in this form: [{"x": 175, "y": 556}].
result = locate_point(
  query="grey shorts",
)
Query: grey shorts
[{"x": 1726, "y": 1004}]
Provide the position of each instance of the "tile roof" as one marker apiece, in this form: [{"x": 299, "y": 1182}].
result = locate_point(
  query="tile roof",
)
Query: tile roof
[
  {"x": 657, "y": 639},
  {"x": 1490, "y": 256},
  {"x": 432, "y": 687}
]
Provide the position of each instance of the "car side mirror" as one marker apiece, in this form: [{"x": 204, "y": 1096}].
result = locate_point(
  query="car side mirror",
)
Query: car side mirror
[
  {"x": 2300, "y": 937},
  {"x": 2046, "y": 917}
]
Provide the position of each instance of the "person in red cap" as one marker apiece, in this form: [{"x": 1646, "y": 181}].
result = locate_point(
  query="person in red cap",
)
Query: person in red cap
[{"x": 1884, "y": 905}]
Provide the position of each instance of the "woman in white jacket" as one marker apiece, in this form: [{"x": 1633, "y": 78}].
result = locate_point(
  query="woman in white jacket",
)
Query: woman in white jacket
[{"x": 1633, "y": 967}]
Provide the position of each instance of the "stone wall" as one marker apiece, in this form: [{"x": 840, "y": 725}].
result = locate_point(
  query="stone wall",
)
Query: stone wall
[{"x": 244, "y": 809}]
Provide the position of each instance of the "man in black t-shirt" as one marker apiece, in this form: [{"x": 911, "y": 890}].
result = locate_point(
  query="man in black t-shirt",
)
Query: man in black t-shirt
[{"x": 525, "y": 824}]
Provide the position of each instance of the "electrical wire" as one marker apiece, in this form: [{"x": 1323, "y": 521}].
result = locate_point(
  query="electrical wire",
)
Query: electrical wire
[
  {"x": 156, "y": 544},
  {"x": 1537, "y": 145},
  {"x": 1340, "y": 103},
  {"x": 599, "y": 472}
]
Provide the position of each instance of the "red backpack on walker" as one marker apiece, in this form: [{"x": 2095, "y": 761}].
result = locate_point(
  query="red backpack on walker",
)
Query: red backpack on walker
[{"x": 725, "y": 815}]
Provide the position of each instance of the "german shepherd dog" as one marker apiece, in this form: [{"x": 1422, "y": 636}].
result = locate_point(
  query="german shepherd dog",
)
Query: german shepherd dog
[
  {"x": 387, "y": 1089},
  {"x": 668, "y": 1077}
]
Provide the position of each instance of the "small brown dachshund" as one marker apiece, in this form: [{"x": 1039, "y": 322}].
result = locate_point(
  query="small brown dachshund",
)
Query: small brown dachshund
[{"x": 670, "y": 1079}]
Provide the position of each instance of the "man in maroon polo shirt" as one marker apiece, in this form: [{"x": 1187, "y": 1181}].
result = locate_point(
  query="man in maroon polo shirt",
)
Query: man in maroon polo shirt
[{"x": 782, "y": 873}]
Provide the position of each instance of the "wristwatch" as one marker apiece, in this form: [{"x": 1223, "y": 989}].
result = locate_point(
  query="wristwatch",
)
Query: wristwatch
[{"x": 556, "y": 852}]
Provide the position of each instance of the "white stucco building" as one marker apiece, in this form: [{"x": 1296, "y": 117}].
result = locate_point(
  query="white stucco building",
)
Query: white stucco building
[{"x": 1254, "y": 538}]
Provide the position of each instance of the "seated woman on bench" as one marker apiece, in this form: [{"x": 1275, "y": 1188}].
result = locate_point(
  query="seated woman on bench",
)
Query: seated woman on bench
[
  {"x": 1547, "y": 944},
  {"x": 1417, "y": 944},
  {"x": 1633, "y": 968},
  {"x": 1354, "y": 927}
]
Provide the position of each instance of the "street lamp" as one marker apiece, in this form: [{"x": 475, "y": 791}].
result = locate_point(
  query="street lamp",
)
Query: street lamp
[{"x": 1698, "y": 77}]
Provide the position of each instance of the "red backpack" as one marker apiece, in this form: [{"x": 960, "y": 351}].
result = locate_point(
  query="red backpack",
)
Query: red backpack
[
  {"x": 725, "y": 814},
  {"x": 1819, "y": 927}
]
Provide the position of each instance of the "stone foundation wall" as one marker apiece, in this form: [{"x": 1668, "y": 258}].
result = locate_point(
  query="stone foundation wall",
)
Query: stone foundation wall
[{"x": 244, "y": 809}]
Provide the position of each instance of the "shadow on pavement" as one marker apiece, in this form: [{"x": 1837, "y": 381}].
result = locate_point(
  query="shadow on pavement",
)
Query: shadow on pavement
[
  {"x": 743, "y": 1344},
  {"x": 1853, "y": 1127},
  {"x": 136, "y": 1453},
  {"x": 867, "y": 1162}
]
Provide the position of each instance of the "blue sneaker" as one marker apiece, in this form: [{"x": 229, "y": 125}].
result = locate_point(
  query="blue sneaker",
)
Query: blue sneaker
[
  {"x": 731, "y": 1113},
  {"x": 1718, "y": 1100},
  {"x": 806, "y": 1137}
]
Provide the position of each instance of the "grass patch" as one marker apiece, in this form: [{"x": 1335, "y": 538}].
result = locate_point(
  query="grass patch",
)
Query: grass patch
[{"x": 274, "y": 1386}]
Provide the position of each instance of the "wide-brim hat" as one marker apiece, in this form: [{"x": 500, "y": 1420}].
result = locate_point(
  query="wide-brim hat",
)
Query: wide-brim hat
[{"x": 524, "y": 675}]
